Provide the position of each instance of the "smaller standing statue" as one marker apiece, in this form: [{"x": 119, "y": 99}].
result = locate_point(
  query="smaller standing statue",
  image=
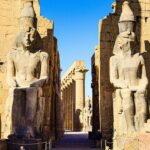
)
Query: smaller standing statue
[
  {"x": 88, "y": 114},
  {"x": 27, "y": 73},
  {"x": 128, "y": 75}
]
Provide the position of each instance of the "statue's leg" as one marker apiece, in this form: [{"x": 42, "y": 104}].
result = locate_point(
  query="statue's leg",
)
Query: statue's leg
[
  {"x": 141, "y": 109},
  {"x": 117, "y": 111},
  {"x": 40, "y": 110},
  {"x": 128, "y": 108},
  {"x": 9, "y": 122},
  {"x": 31, "y": 106},
  {"x": 19, "y": 101}
]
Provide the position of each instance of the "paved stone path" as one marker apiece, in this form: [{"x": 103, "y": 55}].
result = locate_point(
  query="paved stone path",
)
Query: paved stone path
[{"x": 75, "y": 141}]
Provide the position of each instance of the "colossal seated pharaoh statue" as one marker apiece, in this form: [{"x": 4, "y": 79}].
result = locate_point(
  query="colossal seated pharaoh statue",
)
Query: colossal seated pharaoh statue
[
  {"x": 128, "y": 75},
  {"x": 27, "y": 72}
]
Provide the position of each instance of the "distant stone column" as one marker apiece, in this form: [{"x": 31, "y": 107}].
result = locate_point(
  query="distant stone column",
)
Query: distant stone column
[
  {"x": 67, "y": 119},
  {"x": 73, "y": 105},
  {"x": 70, "y": 108},
  {"x": 64, "y": 91},
  {"x": 80, "y": 97},
  {"x": 69, "y": 100},
  {"x": 66, "y": 108}
]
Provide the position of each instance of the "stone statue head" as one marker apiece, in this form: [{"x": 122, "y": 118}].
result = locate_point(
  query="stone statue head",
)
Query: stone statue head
[
  {"x": 124, "y": 44},
  {"x": 126, "y": 39},
  {"x": 28, "y": 37},
  {"x": 28, "y": 16},
  {"x": 127, "y": 19},
  {"x": 29, "y": 40}
]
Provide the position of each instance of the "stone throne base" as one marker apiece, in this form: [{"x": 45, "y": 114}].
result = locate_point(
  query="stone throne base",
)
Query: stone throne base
[
  {"x": 119, "y": 142},
  {"x": 3, "y": 145},
  {"x": 20, "y": 144},
  {"x": 139, "y": 142}
]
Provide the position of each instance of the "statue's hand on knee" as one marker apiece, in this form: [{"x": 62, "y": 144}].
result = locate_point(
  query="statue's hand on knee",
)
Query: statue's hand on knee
[
  {"x": 12, "y": 83},
  {"x": 137, "y": 89},
  {"x": 38, "y": 83},
  {"x": 120, "y": 84}
]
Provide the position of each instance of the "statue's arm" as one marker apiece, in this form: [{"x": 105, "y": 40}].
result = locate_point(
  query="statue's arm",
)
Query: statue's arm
[
  {"x": 113, "y": 70},
  {"x": 144, "y": 80},
  {"x": 114, "y": 75},
  {"x": 11, "y": 70},
  {"x": 44, "y": 65},
  {"x": 44, "y": 59}
]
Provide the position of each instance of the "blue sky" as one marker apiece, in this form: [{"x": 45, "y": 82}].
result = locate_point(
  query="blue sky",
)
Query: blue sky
[{"x": 76, "y": 28}]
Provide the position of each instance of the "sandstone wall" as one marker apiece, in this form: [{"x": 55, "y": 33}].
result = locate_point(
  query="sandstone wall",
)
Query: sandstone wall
[
  {"x": 95, "y": 90},
  {"x": 9, "y": 21}
]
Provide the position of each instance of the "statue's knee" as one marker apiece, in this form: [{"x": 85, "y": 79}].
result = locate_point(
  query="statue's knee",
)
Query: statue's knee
[
  {"x": 140, "y": 94},
  {"x": 140, "y": 102},
  {"x": 126, "y": 94},
  {"x": 32, "y": 90}
]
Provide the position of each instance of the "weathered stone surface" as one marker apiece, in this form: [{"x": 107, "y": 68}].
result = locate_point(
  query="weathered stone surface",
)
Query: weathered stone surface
[
  {"x": 108, "y": 26},
  {"x": 25, "y": 80},
  {"x": 128, "y": 76},
  {"x": 141, "y": 142},
  {"x": 9, "y": 15}
]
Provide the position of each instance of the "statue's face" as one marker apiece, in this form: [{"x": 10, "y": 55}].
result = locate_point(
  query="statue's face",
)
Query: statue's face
[
  {"x": 126, "y": 26},
  {"x": 26, "y": 40},
  {"x": 128, "y": 45},
  {"x": 28, "y": 37}
]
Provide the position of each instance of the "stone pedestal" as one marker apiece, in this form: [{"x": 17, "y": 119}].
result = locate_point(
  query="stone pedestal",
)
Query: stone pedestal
[
  {"x": 32, "y": 144},
  {"x": 141, "y": 142},
  {"x": 119, "y": 142},
  {"x": 3, "y": 145}
]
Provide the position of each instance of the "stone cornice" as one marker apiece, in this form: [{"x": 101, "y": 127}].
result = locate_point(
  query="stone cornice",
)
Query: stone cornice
[{"x": 78, "y": 66}]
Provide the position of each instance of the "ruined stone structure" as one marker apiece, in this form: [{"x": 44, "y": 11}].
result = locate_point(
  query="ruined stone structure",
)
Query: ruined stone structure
[
  {"x": 73, "y": 96},
  {"x": 9, "y": 25}
]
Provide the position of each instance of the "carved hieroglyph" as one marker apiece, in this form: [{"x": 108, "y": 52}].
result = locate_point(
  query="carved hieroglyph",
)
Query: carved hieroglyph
[
  {"x": 27, "y": 72},
  {"x": 128, "y": 75}
]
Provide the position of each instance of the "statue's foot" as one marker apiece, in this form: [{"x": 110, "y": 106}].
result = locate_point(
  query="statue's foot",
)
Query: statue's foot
[{"x": 131, "y": 131}]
